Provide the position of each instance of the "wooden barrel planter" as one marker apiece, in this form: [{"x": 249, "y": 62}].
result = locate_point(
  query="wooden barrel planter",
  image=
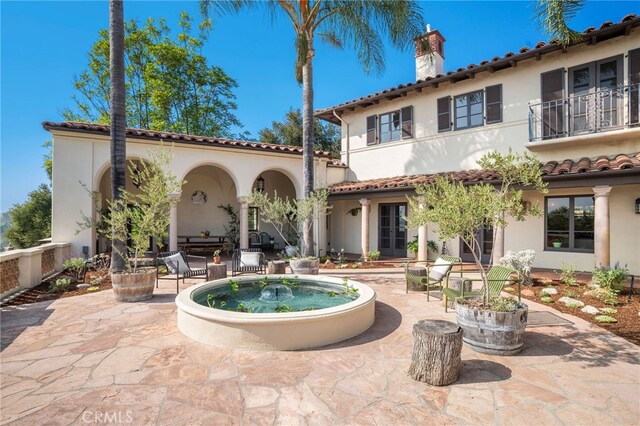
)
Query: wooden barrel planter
[
  {"x": 436, "y": 352},
  {"x": 305, "y": 266},
  {"x": 133, "y": 287},
  {"x": 490, "y": 332}
]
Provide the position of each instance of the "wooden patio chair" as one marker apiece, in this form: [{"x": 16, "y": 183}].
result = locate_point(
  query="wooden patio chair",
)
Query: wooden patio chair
[
  {"x": 433, "y": 274},
  {"x": 247, "y": 260},
  {"x": 177, "y": 263},
  {"x": 497, "y": 278}
]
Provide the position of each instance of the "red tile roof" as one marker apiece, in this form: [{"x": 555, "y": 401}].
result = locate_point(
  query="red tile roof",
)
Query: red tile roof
[
  {"x": 591, "y": 35},
  {"x": 550, "y": 169},
  {"x": 181, "y": 138}
]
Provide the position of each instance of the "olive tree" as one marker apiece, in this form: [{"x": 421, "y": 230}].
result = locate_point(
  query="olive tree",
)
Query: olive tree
[{"x": 458, "y": 210}]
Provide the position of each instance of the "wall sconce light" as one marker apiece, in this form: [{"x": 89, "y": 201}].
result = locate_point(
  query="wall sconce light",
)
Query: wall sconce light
[
  {"x": 260, "y": 184},
  {"x": 637, "y": 205}
]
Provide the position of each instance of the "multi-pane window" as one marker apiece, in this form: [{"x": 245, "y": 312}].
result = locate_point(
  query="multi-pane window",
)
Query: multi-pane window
[
  {"x": 390, "y": 129},
  {"x": 569, "y": 223},
  {"x": 469, "y": 111},
  {"x": 253, "y": 219}
]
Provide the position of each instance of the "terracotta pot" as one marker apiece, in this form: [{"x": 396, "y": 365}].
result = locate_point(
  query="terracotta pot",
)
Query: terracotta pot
[
  {"x": 133, "y": 287},
  {"x": 217, "y": 260}
]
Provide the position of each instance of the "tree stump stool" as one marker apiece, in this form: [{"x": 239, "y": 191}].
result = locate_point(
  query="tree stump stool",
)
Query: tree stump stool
[
  {"x": 276, "y": 267},
  {"x": 418, "y": 271},
  {"x": 436, "y": 352},
  {"x": 217, "y": 271},
  {"x": 455, "y": 283}
]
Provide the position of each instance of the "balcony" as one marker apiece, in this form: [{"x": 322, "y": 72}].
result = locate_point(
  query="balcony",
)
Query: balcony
[{"x": 583, "y": 114}]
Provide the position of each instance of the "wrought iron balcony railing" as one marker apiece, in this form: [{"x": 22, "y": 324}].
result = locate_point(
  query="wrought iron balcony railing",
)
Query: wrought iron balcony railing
[{"x": 600, "y": 111}]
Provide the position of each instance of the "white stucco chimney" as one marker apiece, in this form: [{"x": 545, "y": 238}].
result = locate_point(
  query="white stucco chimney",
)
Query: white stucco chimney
[{"x": 429, "y": 64}]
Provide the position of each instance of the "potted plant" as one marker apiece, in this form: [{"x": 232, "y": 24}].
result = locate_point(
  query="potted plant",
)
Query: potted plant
[
  {"x": 216, "y": 257},
  {"x": 412, "y": 246},
  {"x": 458, "y": 211},
  {"x": 284, "y": 214},
  {"x": 557, "y": 243},
  {"x": 137, "y": 218}
]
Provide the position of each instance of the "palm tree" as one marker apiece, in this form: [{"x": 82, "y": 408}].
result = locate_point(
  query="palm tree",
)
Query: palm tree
[
  {"x": 118, "y": 119},
  {"x": 553, "y": 16},
  {"x": 357, "y": 23}
]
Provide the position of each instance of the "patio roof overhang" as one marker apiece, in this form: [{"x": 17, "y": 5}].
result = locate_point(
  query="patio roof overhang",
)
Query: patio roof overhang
[{"x": 621, "y": 169}]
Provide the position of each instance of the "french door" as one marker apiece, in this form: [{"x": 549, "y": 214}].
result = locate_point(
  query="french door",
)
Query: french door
[
  {"x": 596, "y": 96},
  {"x": 485, "y": 238},
  {"x": 392, "y": 232}
]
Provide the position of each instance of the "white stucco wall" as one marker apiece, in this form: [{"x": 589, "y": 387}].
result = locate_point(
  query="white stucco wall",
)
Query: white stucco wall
[
  {"x": 430, "y": 151},
  {"x": 83, "y": 157}
]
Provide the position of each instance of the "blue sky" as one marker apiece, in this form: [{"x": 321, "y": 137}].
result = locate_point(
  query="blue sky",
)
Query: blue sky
[{"x": 45, "y": 44}]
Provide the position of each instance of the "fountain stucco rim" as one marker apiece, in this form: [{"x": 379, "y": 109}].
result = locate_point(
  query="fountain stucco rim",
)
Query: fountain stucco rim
[{"x": 185, "y": 302}]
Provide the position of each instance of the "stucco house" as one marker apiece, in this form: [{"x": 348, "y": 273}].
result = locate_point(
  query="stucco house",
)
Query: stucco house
[{"x": 576, "y": 107}]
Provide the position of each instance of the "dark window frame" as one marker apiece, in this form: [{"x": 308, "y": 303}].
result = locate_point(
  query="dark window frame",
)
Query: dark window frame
[
  {"x": 405, "y": 127},
  {"x": 389, "y": 124},
  {"x": 468, "y": 108},
  {"x": 572, "y": 231}
]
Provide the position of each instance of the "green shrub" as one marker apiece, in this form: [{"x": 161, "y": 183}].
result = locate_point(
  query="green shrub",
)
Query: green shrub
[
  {"x": 60, "y": 285},
  {"x": 609, "y": 311},
  {"x": 373, "y": 255},
  {"x": 605, "y": 319},
  {"x": 573, "y": 305},
  {"x": 93, "y": 289},
  {"x": 608, "y": 296},
  {"x": 503, "y": 304},
  {"x": 546, "y": 299},
  {"x": 610, "y": 278},
  {"x": 412, "y": 246},
  {"x": 568, "y": 274},
  {"x": 572, "y": 294},
  {"x": 74, "y": 265}
]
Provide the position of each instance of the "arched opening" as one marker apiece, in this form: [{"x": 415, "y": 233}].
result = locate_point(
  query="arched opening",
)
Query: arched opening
[
  {"x": 262, "y": 234},
  {"x": 203, "y": 222},
  {"x": 104, "y": 194}
]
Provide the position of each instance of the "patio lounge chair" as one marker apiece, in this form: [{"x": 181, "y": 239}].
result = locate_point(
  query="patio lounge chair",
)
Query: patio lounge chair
[
  {"x": 266, "y": 241},
  {"x": 434, "y": 273},
  {"x": 177, "y": 263},
  {"x": 247, "y": 260},
  {"x": 497, "y": 277},
  {"x": 254, "y": 240}
]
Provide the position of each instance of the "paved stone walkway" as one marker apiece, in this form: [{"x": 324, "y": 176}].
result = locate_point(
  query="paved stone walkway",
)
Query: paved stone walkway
[{"x": 89, "y": 359}]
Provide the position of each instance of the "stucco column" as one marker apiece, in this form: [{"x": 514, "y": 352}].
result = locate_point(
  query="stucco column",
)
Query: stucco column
[
  {"x": 602, "y": 247},
  {"x": 365, "y": 227},
  {"x": 422, "y": 243},
  {"x": 173, "y": 223},
  {"x": 498, "y": 248},
  {"x": 244, "y": 222}
]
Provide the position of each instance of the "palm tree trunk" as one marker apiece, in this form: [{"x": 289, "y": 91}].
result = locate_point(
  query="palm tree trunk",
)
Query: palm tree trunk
[
  {"x": 118, "y": 121},
  {"x": 307, "y": 145}
]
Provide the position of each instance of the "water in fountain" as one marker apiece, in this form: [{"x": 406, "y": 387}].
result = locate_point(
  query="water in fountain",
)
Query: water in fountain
[{"x": 276, "y": 293}]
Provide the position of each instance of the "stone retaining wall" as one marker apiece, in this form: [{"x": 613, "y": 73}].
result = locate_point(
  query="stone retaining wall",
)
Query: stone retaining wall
[
  {"x": 23, "y": 269},
  {"x": 9, "y": 273}
]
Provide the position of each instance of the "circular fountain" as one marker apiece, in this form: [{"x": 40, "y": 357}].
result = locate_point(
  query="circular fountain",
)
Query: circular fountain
[{"x": 249, "y": 313}]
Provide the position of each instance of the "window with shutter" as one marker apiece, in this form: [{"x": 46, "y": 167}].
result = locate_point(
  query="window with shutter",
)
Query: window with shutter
[
  {"x": 634, "y": 88},
  {"x": 444, "y": 114},
  {"x": 494, "y": 103},
  {"x": 372, "y": 130},
  {"x": 552, "y": 83},
  {"x": 406, "y": 114}
]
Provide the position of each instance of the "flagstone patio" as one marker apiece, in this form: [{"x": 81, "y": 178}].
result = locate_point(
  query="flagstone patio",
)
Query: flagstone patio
[{"x": 88, "y": 359}]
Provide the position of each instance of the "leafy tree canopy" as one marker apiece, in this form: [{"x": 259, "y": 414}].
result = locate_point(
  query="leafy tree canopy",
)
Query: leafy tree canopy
[
  {"x": 289, "y": 132},
  {"x": 31, "y": 220},
  {"x": 169, "y": 84}
]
